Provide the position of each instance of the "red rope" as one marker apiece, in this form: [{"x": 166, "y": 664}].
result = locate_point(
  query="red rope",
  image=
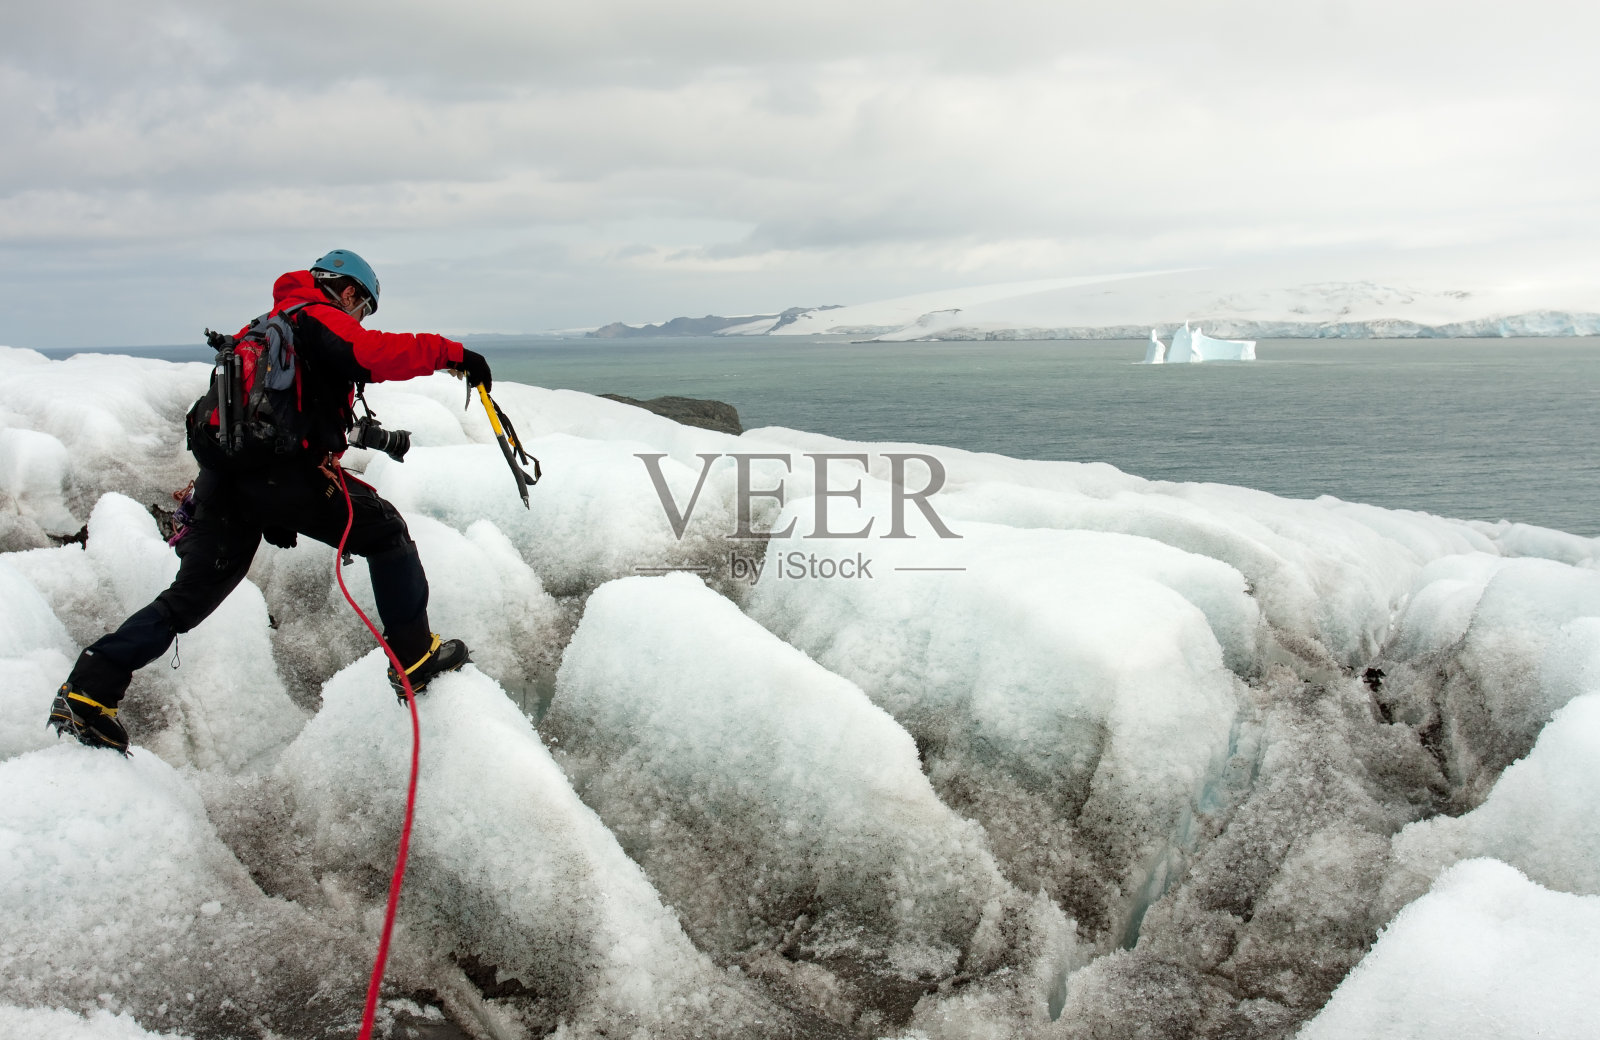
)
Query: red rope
[{"x": 395, "y": 882}]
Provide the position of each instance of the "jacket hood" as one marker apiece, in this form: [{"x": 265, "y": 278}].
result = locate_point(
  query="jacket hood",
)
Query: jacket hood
[{"x": 296, "y": 287}]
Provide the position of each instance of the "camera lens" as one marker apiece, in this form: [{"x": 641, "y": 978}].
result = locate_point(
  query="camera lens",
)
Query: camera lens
[
  {"x": 393, "y": 443},
  {"x": 396, "y": 444}
]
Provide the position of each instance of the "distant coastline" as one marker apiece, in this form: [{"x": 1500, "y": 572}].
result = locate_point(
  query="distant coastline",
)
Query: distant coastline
[
  {"x": 1538, "y": 325},
  {"x": 710, "y": 325},
  {"x": 1452, "y": 294},
  {"x": 1533, "y": 325}
]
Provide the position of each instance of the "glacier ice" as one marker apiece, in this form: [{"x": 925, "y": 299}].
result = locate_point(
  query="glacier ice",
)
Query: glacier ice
[
  {"x": 118, "y": 895},
  {"x": 1485, "y": 954},
  {"x": 1539, "y": 817},
  {"x": 598, "y": 517},
  {"x": 228, "y": 707},
  {"x": 33, "y": 473},
  {"x": 37, "y": 650},
  {"x": 711, "y": 734},
  {"x": 508, "y": 867},
  {"x": 1114, "y": 774},
  {"x": 1084, "y": 739},
  {"x": 1488, "y": 649},
  {"x": 56, "y": 1024},
  {"x": 119, "y": 420}
]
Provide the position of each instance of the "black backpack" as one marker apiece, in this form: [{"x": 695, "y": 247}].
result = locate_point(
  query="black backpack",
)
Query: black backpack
[{"x": 250, "y": 415}]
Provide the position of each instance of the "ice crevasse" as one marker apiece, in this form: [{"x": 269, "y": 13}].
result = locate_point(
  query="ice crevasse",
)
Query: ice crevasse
[{"x": 1104, "y": 765}]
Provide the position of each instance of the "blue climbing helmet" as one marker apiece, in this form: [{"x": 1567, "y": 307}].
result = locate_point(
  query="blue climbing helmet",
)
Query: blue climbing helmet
[{"x": 341, "y": 263}]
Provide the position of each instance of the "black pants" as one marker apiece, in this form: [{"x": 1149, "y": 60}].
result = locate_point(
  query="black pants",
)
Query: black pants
[{"x": 230, "y": 513}]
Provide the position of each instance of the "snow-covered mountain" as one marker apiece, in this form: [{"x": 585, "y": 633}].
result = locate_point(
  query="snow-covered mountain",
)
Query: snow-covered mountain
[
  {"x": 1544, "y": 290},
  {"x": 1111, "y": 763}
]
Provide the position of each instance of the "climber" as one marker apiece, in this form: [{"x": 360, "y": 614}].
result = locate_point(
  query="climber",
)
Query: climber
[{"x": 276, "y": 476}]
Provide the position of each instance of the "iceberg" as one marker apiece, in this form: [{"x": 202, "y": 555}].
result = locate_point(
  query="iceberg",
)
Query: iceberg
[
  {"x": 1193, "y": 346},
  {"x": 1156, "y": 352},
  {"x": 1072, "y": 754}
]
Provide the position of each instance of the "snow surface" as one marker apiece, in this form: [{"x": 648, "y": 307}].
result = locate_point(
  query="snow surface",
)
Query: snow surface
[
  {"x": 1486, "y": 954},
  {"x": 1102, "y": 765},
  {"x": 54, "y": 1024},
  {"x": 886, "y": 316},
  {"x": 1533, "y": 290},
  {"x": 758, "y": 327}
]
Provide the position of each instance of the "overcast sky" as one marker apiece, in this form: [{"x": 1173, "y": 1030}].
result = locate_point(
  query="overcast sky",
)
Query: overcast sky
[{"x": 519, "y": 166}]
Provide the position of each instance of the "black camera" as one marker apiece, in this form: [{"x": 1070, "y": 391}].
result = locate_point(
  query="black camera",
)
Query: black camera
[{"x": 369, "y": 433}]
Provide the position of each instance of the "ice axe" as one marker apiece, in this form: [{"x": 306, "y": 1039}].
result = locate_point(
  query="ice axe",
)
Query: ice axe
[{"x": 506, "y": 435}]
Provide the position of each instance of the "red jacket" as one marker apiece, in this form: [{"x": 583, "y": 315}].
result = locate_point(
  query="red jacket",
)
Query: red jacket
[
  {"x": 334, "y": 353},
  {"x": 377, "y": 355}
]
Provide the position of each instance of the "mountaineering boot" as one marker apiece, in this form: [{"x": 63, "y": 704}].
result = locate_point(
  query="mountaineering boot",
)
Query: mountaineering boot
[
  {"x": 444, "y": 655},
  {"x": 94, "y": 724}
]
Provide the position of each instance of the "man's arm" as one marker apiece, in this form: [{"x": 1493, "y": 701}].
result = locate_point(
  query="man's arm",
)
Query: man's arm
[{"x": 369, "y": 356}]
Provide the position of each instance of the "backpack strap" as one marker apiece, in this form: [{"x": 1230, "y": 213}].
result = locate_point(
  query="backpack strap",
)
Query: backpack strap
[{"x": 277, "y": 335}]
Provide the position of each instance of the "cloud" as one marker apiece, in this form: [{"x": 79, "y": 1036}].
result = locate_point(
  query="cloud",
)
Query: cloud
[{"x": 610, "y": 154}]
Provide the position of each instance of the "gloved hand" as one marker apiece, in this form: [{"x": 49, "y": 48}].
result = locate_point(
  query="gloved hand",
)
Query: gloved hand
[
  {"x": 282, "y": 537},
  {"x": 476, "y": 368}
]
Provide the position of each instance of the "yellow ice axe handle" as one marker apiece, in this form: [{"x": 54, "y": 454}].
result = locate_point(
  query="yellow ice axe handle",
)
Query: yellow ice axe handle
[
  {"x": 494, "y": 414},
  {"x": 506, "y": 437}
]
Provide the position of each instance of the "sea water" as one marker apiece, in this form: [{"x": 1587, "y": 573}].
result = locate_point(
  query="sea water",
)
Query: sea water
[{"x": 1482, "y": 429}]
